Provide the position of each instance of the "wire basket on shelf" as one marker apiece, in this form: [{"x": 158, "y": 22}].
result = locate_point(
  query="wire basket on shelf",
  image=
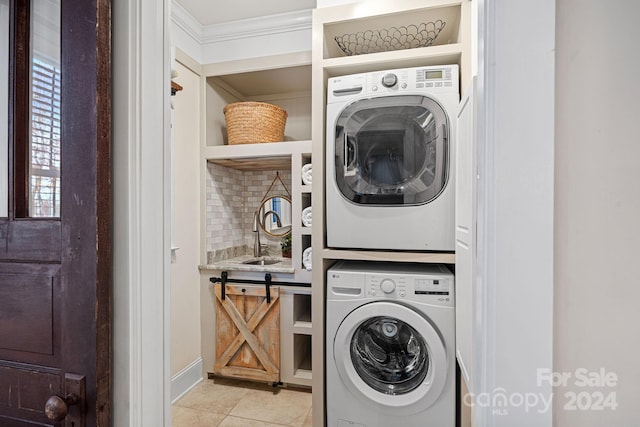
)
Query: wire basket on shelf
[
  {"x": 254, "y": 122},
  {"x": 392, "y": 38}
]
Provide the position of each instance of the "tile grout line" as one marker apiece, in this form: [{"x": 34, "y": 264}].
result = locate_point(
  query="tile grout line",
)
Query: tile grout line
[
  {"x": 228, "y": 413},
  {"x": 260, "y": 421}
]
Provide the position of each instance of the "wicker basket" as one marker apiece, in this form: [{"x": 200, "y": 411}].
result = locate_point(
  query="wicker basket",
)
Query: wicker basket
[{"x": 254, "y": 122}]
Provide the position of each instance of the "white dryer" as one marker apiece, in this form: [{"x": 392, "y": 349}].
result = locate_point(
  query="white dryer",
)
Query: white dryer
[
  {"x": 390, "y": 159},
  {"x": 390, "y": 337}
]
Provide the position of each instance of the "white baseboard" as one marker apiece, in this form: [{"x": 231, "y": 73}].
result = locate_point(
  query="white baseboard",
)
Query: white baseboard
[{"x": 186, "y": 379}]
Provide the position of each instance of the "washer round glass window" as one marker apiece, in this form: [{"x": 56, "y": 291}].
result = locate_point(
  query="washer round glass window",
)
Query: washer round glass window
[{"x": 389, "y": 355}]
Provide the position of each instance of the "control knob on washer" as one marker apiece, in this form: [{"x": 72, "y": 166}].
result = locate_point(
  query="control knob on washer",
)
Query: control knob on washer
[
  {"x": 389, "y": 80},
  {"x": 387, "y": 286}
]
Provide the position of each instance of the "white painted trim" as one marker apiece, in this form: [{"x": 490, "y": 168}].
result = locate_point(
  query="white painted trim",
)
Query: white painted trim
[
  {"x": 164, "y": 62},
  {"x": 484, "y": 367},
  {"x": 186, "y": 379},
  {"x": 257, "y": 27},
  {"x": 185, "y": 21},
  {"x": 240, "y": 29},
  {"x": 187, "y": 61},
  {"x": 515, "y": 206},
  {"x": 141, "y": 213},
  {"x": 247, "y": 38}
]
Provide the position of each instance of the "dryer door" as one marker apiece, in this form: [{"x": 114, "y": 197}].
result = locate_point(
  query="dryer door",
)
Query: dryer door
[
  {"x": 391, "y": 356},
  {"x": 392, "y": 150}
]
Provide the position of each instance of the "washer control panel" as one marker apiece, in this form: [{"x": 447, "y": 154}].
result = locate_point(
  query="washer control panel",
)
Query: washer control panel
[
  {"x": 410, "y": 287},
  {"x": 379, "y": 285},
  {"x": 431, "y": 287},
  {"x": 430, "y": 284}
]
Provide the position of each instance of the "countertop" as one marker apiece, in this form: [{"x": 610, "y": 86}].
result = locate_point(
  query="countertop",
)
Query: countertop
[{"x": 283, "y": 265}]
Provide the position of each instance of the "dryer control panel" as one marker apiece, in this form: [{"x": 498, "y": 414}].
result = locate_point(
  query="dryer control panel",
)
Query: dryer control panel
[
  {"x": 439, "y": 79},
  {"x": 434, "y": 79}
]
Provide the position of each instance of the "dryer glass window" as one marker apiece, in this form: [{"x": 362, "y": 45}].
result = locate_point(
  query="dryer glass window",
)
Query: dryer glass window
[
  {"x": 392, "y": 150},
  {"x": 389, "y": 355}
]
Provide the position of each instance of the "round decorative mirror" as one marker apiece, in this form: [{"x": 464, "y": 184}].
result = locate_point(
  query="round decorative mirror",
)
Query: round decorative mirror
[{"x": 274, "y": 216}]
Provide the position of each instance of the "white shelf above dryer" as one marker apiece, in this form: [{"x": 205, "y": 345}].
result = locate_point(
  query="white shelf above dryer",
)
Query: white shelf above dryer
[
  {"x": 433, "y": 55},
  {"x": 417, "y": 257}
]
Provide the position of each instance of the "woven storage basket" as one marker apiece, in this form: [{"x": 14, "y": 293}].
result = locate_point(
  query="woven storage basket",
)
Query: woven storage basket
[{"x": 254, "y": 122}]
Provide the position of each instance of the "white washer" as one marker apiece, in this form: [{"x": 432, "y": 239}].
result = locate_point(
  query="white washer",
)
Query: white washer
[
  {"x": 390, "y": 159},
  {"x": 390, "y": 338}
]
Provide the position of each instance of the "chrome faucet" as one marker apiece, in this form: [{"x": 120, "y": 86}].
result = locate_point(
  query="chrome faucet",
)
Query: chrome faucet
[
  {"x": 257, "y": 248},
  {"x": 256, "y": 241},
  {"x": 274, "y": 213}
]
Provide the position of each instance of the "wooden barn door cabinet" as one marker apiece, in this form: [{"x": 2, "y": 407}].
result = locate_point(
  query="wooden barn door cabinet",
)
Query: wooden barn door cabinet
[{"x": 248, "y": 333}]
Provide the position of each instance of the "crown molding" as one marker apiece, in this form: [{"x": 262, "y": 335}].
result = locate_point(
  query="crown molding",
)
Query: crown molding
[
  {"x": 241, "y": 29},
  {"x": 186, "y": 21},
  {"x": 256, "y": 27}
]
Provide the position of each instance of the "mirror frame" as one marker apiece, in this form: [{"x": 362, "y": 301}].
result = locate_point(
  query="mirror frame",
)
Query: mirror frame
[{"x": 261, "y": 217}]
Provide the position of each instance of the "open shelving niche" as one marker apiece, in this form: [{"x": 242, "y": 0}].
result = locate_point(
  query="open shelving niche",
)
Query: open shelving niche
[
  {"x": 296, "y": 364},
  {"x": 452, "y": 46},
  {"x": 284, "y": 80}
]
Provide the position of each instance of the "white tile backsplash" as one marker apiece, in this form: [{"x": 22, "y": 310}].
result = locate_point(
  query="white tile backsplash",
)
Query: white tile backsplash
[{"x": 231, "y": 200}]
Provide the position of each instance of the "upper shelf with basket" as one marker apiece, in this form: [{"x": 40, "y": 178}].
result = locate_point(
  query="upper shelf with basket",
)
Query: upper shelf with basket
[
  {"x": 246, "y": 88},
  {"x": 384, "y": 35},
  {"x": 354, "y": 39},
  {"x": 429, "y": 26},
  {"x": 411, "y": 36}
]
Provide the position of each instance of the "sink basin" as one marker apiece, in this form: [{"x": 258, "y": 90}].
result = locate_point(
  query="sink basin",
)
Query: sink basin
[{"x": 262, "y": 261}]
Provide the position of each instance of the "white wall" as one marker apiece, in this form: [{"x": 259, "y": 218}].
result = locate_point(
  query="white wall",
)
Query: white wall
[
  {"x": 597, "y": 273},
  {"x": 185, "y": 277}
]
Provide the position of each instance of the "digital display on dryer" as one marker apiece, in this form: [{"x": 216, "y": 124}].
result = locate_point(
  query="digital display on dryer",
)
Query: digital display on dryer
[{"x": 432, "y": 75}]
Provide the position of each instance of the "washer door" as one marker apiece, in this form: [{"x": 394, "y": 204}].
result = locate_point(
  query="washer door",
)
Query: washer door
[{"x": 392, "y": 356}]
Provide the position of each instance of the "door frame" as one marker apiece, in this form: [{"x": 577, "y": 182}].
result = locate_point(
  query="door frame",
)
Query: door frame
[
  {"x": 141, "y": 213},
  {"x": 513, "y": 315}
]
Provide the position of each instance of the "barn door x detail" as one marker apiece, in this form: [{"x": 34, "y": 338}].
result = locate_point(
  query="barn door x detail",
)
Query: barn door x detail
[{"x": 248, "y": 333}]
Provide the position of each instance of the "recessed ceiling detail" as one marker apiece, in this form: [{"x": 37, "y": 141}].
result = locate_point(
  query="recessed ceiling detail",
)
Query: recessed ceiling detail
[{"x": 210, "y": 12}]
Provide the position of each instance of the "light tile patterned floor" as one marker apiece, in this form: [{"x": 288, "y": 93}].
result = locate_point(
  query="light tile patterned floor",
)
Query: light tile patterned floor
[{"x": 231, "y": 403}]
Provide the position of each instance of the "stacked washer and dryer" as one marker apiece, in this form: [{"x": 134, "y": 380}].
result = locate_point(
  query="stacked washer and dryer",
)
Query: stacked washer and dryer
[{"x": 390, "y": 329}]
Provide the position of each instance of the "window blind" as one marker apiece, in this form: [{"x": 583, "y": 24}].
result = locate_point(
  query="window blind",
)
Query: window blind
[{"x": 45, "y": 140}]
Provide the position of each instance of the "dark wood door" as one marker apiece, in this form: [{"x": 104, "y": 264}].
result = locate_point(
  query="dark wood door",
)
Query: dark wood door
[{"x": 55, "y": 270}]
